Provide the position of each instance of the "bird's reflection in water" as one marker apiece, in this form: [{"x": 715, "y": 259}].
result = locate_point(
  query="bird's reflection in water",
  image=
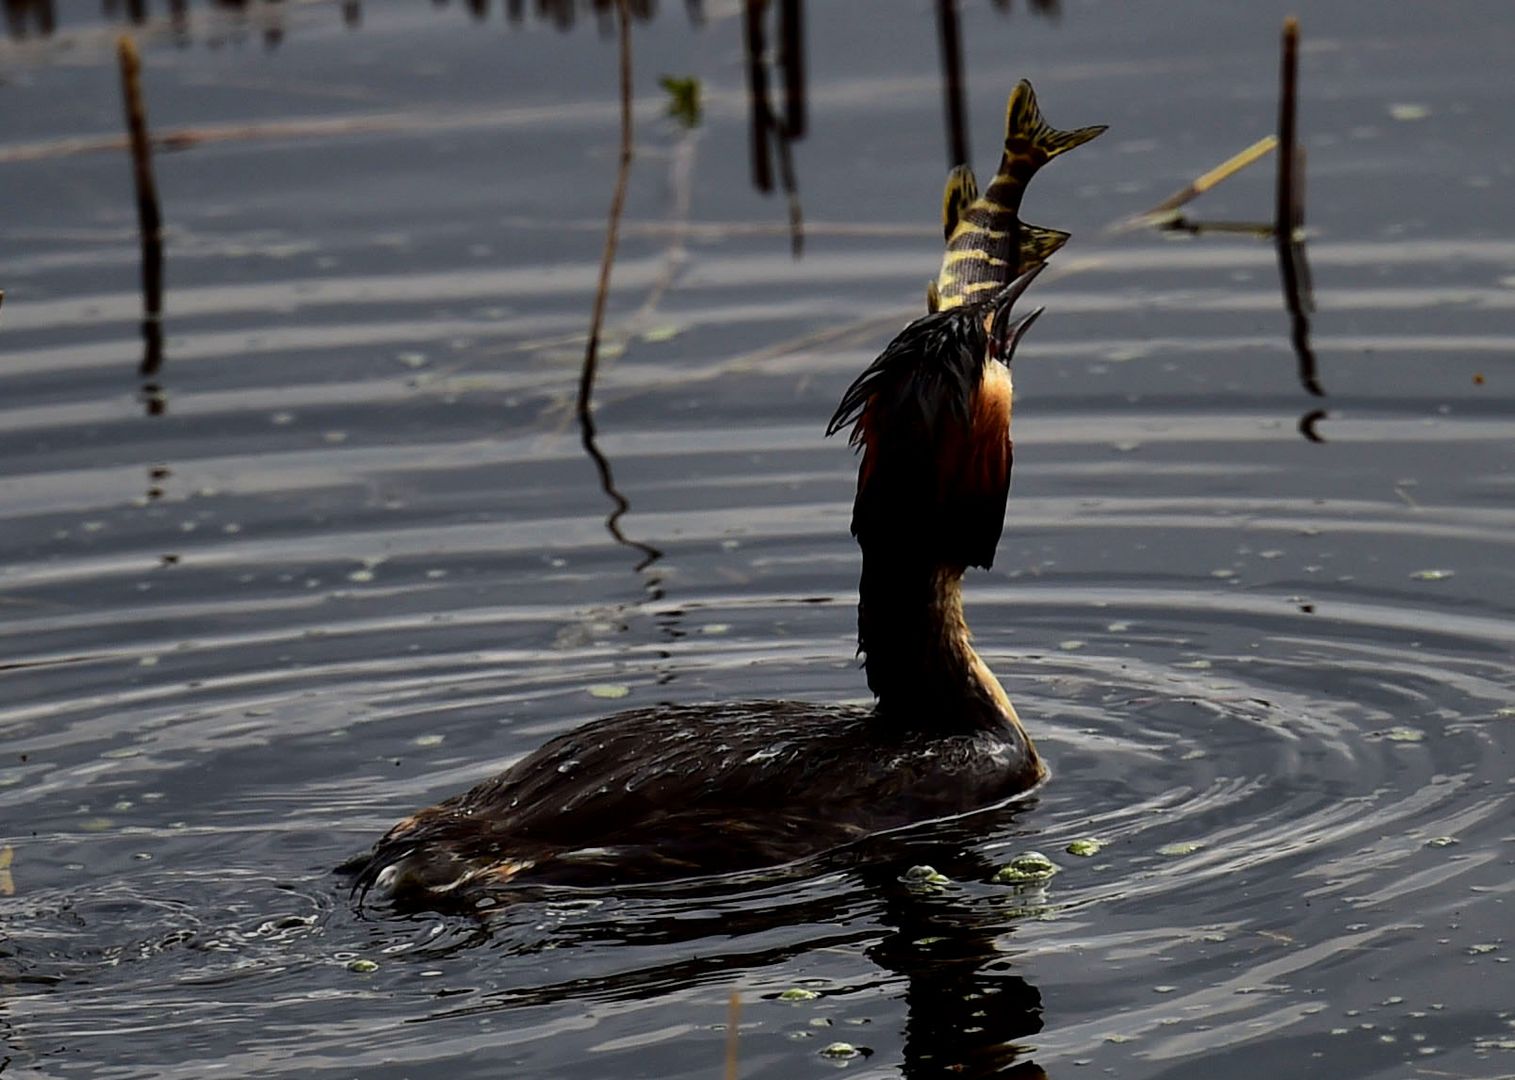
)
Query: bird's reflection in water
[{"x": 968, "y": 1011}]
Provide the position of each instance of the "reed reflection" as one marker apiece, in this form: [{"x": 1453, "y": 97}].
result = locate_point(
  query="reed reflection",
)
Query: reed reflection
[
  {"x": 150, "y": 233},
  {"x": 23, "y": 18},
  {"x": 149, "y": 216},
  {"x": 589, "y": 370},
  {"x": 775, "y": 131},
  {"x": 1286, "y": 230}
]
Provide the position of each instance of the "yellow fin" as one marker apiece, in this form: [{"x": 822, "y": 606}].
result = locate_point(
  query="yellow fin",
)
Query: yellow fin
[
  {"x": 1039, "y": 244},
  {"x": 1023, "y": 120},
  {"x": 961, "y": 190}
]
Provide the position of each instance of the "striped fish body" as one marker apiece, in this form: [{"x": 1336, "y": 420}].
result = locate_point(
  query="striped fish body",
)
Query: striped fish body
[{"x": 988, "y": 246}]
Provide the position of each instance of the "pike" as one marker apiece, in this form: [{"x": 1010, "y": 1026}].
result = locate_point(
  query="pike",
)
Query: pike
[{"x": 988, "y": 246}]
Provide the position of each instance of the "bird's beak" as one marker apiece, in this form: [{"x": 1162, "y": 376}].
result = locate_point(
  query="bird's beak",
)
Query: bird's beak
[{"x": 1004, "y": 332}]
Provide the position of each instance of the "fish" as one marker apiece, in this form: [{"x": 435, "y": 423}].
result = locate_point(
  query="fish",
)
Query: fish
[{"x": 988, "y": 246}]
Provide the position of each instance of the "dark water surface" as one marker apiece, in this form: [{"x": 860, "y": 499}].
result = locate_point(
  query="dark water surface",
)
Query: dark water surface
[{"x": 359, "y": 560}]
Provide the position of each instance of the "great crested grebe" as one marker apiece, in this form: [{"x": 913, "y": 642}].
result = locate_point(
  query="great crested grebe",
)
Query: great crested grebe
[{"x": 677, "y": 791}]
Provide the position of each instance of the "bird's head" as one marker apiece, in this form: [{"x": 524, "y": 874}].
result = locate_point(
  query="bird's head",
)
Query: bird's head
[{"x": 932, "y": 416}]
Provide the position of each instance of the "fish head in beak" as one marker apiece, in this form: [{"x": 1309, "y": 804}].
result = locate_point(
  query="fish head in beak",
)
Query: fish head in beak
[{"x": 932, "y": 418}]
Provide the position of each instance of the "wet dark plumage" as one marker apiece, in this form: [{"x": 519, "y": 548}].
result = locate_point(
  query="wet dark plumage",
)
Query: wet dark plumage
[{"x": 662, "y": 793}]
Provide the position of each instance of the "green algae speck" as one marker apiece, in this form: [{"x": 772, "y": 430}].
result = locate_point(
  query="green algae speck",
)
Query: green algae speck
[{"x": 1031, "y": 868}]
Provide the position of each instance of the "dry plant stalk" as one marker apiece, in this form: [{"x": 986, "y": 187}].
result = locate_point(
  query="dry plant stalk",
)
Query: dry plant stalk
[
  {"x": 1205, "y": 181},
  {"x": 612, "y": 231},
  {"x": 149, "y": 217}
]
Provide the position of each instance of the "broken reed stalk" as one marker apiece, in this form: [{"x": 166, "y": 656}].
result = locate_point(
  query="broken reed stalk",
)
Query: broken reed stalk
[
  {"x": 602, "y": 292},
  {"x": 149, "y": 218},
  {"x": 1288, "y": 216},
  {"x": 949, "y": 35},
  {"x": 612, "y": 230},
  {"x": 1285, "y": 212},
  {"x": 733, "y": 1016},
  {"x": 1205, "y": 181}
]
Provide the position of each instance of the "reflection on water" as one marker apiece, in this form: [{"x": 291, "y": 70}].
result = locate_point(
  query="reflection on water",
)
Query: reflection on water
[
  {"x": 1286, "y": 230},
  {"x": 39, "y": 18},
  {"x": 774, "y": 131}
]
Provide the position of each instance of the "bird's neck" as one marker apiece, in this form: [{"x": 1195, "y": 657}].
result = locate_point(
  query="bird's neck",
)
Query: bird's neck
[{"x": 918, "y": 653}]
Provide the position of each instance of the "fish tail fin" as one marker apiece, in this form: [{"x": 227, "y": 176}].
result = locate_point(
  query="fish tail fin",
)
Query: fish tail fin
[
  {"x": 961, "y": 190},
  {"x": 1027, "y": 133},
  {"x": 1039, "y": 244}
]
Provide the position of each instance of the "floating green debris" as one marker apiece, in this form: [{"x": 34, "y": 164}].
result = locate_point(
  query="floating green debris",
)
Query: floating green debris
[
  {"x": 1405, "y": 112},
  {"x": 1432, "y": 575},
  {"x": 1031, "y": 868},
  {"x": 841, "y": 1051},
  {"x": 609, "y": 691},
  {"x": 97, "y": 824},
  {"x": 362, "y": 967},
  {"x": 1084, "y": 848},
  {"x": 1183, "y": 847},
  {"x": 798, "y": 993},
  {"x": 1404, "y": 734},
  {"x": 928, "y": 875},
  {"x": 1482, "y": 949},
  {"x": 1441, "y": 841},
  {"x": 428, "y": 740},
  {"x": 659, "y": 334},
  {"x": 1071, "y": 645},
  {"x": 683, "y": 99}
]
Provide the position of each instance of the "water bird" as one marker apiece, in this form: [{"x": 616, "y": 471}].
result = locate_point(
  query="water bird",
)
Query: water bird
[
  {"x": 674, "y": 792},
  {"x": 987, "y": 243},
  {"x": 677, "y": 791}
]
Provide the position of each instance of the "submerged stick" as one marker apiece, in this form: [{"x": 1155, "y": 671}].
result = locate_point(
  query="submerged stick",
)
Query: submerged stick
[{"x": 149, "y": 218}]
